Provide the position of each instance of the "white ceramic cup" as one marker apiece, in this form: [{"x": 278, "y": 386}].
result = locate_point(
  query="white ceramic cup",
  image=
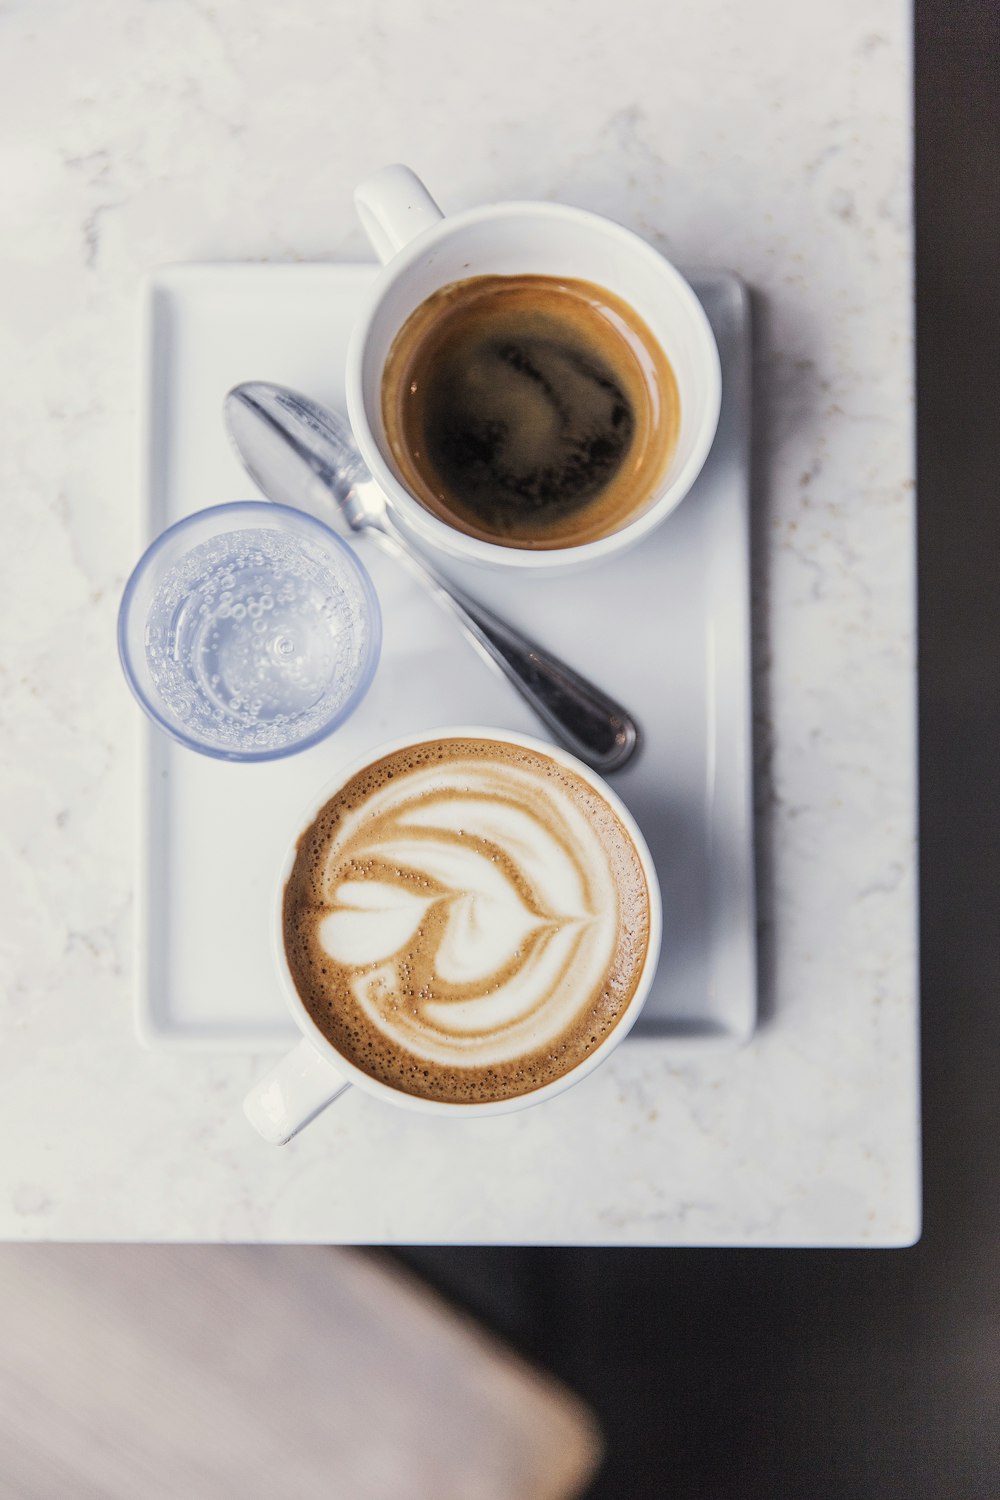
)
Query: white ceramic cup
[
  {"x": 421, "y": 251},
  {"x": 314, "y": 1073}
]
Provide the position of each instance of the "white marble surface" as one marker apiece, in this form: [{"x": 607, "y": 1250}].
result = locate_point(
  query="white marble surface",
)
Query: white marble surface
[{"x": 769, "y": 137}]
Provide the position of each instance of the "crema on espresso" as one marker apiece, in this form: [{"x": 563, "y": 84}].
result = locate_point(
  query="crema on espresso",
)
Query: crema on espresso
[
  {"x": 530, "y": 411},
  {"x": 466, "y": 920}
]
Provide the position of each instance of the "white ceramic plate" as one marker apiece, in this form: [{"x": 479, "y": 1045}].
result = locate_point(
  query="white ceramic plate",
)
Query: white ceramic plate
[{"x": 665, "y": 628}]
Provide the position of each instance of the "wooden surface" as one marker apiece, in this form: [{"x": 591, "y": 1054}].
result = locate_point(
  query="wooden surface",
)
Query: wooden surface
[{"x": 204, "y": 1372}]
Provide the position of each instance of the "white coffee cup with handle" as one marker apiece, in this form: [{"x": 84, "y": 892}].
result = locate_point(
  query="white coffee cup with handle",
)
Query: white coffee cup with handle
[
  {"x": 422, "y": 251},
  {"x": 315, "y": 1072}
]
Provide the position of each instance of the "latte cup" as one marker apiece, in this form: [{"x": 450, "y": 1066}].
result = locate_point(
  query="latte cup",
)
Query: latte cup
[
  {"x": 423, "y": 251},
  {"x": 315, "y": 1072}
]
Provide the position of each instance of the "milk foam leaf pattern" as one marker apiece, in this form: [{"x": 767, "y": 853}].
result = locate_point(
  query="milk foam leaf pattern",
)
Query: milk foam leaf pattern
[
  {"x": 467, "y": 906},
  {"x": 372, "y": 921},
  {"x": 483, "y": 919},
  {"x": 482, "y": 937}
]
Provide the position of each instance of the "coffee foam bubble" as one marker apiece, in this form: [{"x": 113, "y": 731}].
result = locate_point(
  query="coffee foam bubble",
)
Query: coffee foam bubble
[{"x": 463, "y": 921}]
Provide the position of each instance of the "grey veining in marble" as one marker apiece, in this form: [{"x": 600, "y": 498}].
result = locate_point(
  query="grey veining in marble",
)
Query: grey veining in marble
[{"x": 772, "y": 138}]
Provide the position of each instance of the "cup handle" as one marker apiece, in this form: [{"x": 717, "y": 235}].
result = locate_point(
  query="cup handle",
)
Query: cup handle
[
  {"x": 293, "y": 1093},
  {"x": 394, "y": 207}
]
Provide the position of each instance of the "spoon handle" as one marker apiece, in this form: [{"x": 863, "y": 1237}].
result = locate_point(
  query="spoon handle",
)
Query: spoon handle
[{"x": 582, "y": 717}]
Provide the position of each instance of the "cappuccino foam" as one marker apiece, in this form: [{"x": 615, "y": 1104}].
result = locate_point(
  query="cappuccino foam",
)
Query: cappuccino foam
[{"x": 466, "y": 920}]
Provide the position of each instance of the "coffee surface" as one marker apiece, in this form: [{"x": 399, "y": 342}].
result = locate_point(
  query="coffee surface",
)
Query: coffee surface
[
  {"x": 532, "y": 411},
  {"x": 466, "y": 920}
]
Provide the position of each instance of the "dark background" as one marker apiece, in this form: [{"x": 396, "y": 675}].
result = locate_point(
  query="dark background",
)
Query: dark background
[{"x": 814, "y": 1374}]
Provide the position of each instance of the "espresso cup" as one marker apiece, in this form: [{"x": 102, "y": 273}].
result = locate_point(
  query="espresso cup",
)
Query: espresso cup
[
  {"x": 316, "y": 1072},
  {"x": 422, "y": 252}
]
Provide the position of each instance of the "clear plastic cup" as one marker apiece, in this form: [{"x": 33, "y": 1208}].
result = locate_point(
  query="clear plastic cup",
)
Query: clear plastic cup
[{"x": 249, "y": 631}]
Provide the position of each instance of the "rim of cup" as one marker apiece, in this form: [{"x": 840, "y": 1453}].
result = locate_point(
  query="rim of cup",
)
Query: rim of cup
[{"x": 619, "y": 1031}]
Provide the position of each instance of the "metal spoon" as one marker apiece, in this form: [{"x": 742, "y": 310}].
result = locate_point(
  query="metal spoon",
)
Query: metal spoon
[{"x": 304, "y": 454}]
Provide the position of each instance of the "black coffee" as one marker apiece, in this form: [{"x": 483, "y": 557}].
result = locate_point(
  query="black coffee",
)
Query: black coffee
[{"x": 529, "y": 410}]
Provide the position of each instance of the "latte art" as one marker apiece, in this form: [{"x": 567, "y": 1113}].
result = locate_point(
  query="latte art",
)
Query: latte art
[
  {"x": 477, "y": 906},
  {"x": 466, "y": 919}
]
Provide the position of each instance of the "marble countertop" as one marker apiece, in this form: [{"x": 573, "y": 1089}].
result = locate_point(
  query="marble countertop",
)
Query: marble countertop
[{"x": 770, "y": 138}]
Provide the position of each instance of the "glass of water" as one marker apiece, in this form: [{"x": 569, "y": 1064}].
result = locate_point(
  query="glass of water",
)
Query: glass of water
[{"x": 249, "y": 631}]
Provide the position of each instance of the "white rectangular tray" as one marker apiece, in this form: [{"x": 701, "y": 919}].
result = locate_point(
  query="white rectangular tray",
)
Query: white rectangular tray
[{"x": 665, "y": 628}]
